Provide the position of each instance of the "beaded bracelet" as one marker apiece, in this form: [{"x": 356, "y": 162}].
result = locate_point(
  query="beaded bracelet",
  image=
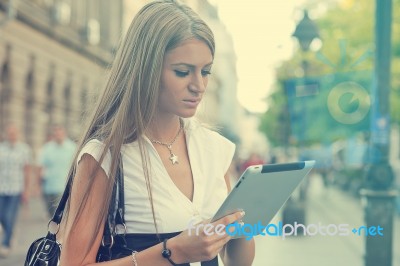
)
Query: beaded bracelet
[
  {"x": 166, "y": 253},
  {"x": 134, "y": 258}
]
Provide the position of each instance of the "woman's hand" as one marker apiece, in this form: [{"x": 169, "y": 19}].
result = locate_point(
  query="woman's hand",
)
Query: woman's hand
[{"x": 203, "y": 241}]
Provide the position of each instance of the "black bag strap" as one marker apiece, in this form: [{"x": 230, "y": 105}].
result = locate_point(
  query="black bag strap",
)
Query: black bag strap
[
  {"x": 120, "y": 216},
  {"x": 116, "y": 210},
  {"x": 118, "y": 189},
  {"x": 58, "y": 214}
]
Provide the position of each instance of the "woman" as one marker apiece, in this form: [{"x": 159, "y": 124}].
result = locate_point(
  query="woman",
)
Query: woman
[{"x": 174, "y": 168}]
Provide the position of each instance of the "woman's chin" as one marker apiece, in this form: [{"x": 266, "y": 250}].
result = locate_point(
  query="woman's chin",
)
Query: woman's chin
[{"x": 187, "y": 115}]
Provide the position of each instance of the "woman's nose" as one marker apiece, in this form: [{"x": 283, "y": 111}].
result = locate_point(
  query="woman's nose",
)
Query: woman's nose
[{"x": 197, "y": 85}]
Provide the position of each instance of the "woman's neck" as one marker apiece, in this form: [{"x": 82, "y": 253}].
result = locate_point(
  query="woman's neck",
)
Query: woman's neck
[{"x": 164, "y": 129}]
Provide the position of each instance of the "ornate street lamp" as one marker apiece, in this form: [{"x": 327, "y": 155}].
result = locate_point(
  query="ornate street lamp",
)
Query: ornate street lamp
[{"x": 306, "y": 31}]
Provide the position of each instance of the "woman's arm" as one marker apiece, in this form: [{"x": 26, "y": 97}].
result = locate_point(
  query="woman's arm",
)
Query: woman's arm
[
  {"x": 239, "y": 251},
  {"x": 77, "y": 249},
  {"x": 76, "y": 240}
]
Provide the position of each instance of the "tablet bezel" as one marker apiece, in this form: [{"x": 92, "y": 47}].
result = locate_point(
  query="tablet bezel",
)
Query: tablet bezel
[{"x": 287, "y": 175}]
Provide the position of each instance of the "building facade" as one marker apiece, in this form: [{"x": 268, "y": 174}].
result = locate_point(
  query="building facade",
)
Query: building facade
[{"x": 53, "y": 54}]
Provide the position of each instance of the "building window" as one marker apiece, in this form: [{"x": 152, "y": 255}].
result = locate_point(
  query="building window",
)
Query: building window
[
  {"x": 84, "y": 98},
  {"x": 78, "y": 14},
  {"x": 50, "y": 99},
  {"x": 29, "y": 101},
  {"x": 111, "y": 14},
  {"x": 43, "y": 3},
  {"x": 67, "y": 103},
  {"x": 5, "y": 88},
  {"x": 92, "y": 27},
  {"x": 62, "y": 12}
]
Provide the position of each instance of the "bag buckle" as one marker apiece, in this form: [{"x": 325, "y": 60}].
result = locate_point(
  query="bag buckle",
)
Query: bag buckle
[
  {"x": 106, "y": 243},
  {"x": 120, "y": 229},
  {"x": 53, "y": 227}
]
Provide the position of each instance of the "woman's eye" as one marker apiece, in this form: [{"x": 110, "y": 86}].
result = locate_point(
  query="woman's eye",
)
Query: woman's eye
[
  {"x": 181, "y": 73},
  {"x": 205, "y": 73}
]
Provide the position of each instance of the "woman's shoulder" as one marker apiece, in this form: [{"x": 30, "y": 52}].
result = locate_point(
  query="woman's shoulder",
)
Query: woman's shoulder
[
  {"x": 195, "y": 126},
  {"x": 92, "y": 147},
  {"x": 94, "y": 142},
  {"x": 207, "y": 133},
  {"x": 95, "y": 148}
]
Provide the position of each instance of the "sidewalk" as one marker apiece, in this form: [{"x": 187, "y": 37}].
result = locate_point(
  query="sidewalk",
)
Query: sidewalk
[
  {"x": 325, "y": 206},
  {"x": 32, "y": 224}
]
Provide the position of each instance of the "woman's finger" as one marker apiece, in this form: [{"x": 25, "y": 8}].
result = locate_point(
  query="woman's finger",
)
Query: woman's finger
[{"x": 231, "y": 218}]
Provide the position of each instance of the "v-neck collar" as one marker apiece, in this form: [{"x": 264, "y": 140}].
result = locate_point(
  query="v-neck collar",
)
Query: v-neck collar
[{"x": 189, "y": 127}]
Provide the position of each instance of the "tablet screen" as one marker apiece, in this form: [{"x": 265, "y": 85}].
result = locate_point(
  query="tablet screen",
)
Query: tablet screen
[{"x": 263, "y": 189}]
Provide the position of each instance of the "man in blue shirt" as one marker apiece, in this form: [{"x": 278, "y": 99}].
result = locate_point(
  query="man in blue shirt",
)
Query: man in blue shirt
[{"x": 55, "y": 161}]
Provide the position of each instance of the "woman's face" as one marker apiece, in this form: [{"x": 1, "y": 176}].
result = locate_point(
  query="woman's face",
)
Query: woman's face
[{"x": 184, "y": 78}]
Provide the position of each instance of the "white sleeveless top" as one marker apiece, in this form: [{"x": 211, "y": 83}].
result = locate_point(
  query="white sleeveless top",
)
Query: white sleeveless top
[{"x": 210, "y": 156}]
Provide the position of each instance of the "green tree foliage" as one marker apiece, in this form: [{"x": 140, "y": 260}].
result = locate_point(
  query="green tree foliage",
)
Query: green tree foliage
[
  {"x": 276, "y": 124},
  {"x": 347, "y": 33}
]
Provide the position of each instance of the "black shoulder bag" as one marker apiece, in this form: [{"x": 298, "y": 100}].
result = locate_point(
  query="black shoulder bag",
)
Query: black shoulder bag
[{"x": 46, "y": 251}]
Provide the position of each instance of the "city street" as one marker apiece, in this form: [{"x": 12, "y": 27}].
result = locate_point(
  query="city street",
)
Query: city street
[
  {"x": 325, "y": 206},
  {"x": 31, "y": 225},
  {"x": 222, "y": 85}
]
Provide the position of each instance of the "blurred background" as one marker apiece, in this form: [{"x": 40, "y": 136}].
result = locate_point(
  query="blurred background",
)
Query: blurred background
[{"x": 291, "y": 81}]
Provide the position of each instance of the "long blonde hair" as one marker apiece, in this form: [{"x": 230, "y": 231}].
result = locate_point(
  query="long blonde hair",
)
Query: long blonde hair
[{"x": 130, "y": 97}]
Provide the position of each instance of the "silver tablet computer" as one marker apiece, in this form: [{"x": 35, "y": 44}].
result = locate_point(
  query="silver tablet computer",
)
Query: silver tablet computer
[{"x": 262, "y": 190}]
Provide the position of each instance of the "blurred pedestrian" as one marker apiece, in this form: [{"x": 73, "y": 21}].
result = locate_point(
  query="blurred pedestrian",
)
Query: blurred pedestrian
[
  {"x": 254, "y": 159},
  {"x": 55, "y": 161},
  {"x": 15, "y": 158}
]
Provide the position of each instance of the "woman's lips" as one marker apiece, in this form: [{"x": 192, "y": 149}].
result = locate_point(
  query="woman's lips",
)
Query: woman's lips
[{"x": 191, "y": 102}]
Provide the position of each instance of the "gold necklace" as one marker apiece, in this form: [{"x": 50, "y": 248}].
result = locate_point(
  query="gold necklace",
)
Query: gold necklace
[{"x": 173, "y": 157}]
